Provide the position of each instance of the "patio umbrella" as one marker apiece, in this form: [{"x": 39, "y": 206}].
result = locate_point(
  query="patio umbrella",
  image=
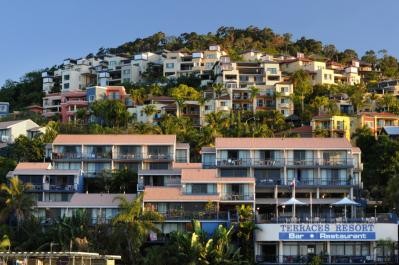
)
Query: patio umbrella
[
  {"x": 293, "y": 202},
  {"x": 345, "y": 201}
]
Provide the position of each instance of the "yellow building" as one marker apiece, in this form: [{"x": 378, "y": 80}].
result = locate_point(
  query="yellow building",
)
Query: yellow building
[{"x": 336, "y": 126}]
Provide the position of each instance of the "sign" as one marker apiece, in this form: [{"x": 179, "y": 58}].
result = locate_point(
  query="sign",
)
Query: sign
[{"x": 329, "y": 232}]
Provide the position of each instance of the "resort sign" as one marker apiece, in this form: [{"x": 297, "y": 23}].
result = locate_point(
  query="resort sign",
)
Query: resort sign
[{"x": 329, "y": 232}]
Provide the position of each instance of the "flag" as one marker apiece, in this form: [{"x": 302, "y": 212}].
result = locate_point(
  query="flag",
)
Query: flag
[{"x": 293, "y": 183}]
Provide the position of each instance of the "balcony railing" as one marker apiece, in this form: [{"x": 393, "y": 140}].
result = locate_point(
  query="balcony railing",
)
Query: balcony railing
[
  {"x": 105, "y": 155},
  {"x": 70, "y": 156},
  {"x": 130, "y": 156},
  {"x": 303, "y": 182},
  {"x": 152, "y": 156},
  {"x": 237, "y": 197},
  {"x": 333, "y": 259},
  {"x": 229, "y": 162},
  {"x": 198, "y": 215},
  {"x": 269, "y": 163}
]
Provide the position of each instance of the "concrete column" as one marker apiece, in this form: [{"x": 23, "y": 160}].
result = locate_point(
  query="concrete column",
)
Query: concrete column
[
  {"x": 374, "y": 249},
  {"x": 280, "y": 252},
  {"x": 329, "y": 251}
]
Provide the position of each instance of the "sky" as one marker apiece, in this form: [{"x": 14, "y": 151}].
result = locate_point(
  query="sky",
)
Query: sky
[{"x": 42, "y": 33}]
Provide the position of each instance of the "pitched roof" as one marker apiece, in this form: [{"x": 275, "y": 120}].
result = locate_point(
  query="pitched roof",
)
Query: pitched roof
[
  {"x": 32, "y": 165},
  {"x": 282, "y": 143},
  {"x": 391, "y": 130},
  {"x": 88, "y": 200},
  {"x": 8, "y": 124},
  {"x": 104, "y": 139},
  {"x": 384, "y": 114},
  {"x": 356, "y": 149},
  {"x": 198, "y": 175},
  {"x": 172, "y": 194}
]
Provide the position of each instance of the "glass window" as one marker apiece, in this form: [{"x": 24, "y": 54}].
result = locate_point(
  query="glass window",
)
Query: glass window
[
  {"x": 272, "y": 71},
  {"x": 66, "y": 77},
  {"x": 66, "y": 85},
  {"x": 170, "y": 65}
]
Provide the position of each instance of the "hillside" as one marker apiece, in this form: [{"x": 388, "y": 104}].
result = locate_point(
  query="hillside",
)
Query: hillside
[{"x": 27, "y": 91}]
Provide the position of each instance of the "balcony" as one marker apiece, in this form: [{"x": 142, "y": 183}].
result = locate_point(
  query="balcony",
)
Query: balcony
[
  {"x": 98, "y": 156},
  {"x": 67, "y": 156},
  {"x": 233, "y": 162},
  {"x": 302, "y": 163},
  {"x": 159, "y": 157},
  {"x": 237, "y": 197},
  {"x": 336, "y": 162},
  {"x": 129, "y": 157},
  {"x": 268, "y": 163},
  {"x": 198, "y": 215}
]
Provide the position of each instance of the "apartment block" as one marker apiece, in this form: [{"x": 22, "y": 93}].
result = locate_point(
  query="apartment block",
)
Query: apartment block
[
  {"x": 95, "y": 153},
  {"x": 48, "y": 184},
  {"x": 71, "y": 102},
  {"x": 52, "y": 104},
  {"x": 334, "y": 125},
  {"x": 375, "y": 121},
  {"x": 10, "y": 130}
]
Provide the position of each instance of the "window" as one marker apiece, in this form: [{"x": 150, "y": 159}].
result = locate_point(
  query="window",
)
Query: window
[
  {"x": 91, "y": 98},
  {"x": 66, "y": 85},
  {"x": 233, "y": 172},
  {"x": 170, "y": 65},
  {"x": 208, "y": 65},
  {"x": 211, "y": 56},
  {"x": 126, "y": 71},
  {"x": 66, "y": 77},
  {"x": 260, "y": 103},
  {"x": 222, "y": 103},
  {"x": 159, "y": 165},
  {"x": 272, "y": 71},
  {"x": 283, "y": 100}
]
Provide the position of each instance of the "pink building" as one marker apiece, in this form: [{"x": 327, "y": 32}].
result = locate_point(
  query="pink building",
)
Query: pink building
[{"x": 71, "y": 102}]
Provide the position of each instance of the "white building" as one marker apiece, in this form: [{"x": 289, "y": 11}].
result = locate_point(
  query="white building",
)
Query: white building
[{"x": 10, "y": 130}]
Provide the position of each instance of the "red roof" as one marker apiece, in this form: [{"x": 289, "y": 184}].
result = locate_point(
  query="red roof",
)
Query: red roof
[
  {"x": 110, "y": 139},
  {"x": 187, "y": 165},
  {"x": 282, "y": 143},
  {"x": 385, "y": 114},
  {"x": 32, "y": 165}
]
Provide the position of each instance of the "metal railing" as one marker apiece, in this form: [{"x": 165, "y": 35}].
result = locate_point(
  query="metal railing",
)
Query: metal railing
[
  {"x": 187, "y": 215},
  {"x": 129, "y": 156},
  {"x": 161, "y": 156},
  {"x": 237, "y": 197},
  {"x": 105, "y": 155},
  {"x": 280, "y": 162},
  {"x": 229, "y": 162},
  {"x": 58, "y": 155},
  {"x": 333, "y": 259}
]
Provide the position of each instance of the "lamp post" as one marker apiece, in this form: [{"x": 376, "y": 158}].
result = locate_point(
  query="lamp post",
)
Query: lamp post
[
  {"x": 330, "y": 212},
  {"x": 283, "y": 208},
  {"x": 375, "y": 211}
]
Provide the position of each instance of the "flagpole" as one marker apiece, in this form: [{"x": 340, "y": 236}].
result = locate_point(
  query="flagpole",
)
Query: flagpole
[
  {"x": 311, "y": 210},
  {"x": 293, "y": 196}
]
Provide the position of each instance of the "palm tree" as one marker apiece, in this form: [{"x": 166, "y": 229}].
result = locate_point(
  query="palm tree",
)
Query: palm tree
[
  {"x": 135, "y": 225},
  {"x": 218, "y": 90},
  {"x": 254, "y": 91},
  {"x": 150, "y": 110},
  {"x": 246, "y": 229},
  {"x": 138, "y": 96},
  {"x": 302, "y": 86},
  {"x": 18, "y": 203},
  {"x": 201, "y": 102},
  {"x": 216, "y": 121}
]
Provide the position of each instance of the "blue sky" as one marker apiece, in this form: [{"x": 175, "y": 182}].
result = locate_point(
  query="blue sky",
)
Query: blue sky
[{"x": 36, "y": 34}]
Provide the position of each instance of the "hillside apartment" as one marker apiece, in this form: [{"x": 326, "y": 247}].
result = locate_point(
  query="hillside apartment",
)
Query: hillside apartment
[{"x": 10, "y": 130}]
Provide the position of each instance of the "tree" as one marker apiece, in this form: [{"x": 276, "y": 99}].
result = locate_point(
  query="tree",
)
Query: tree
[
  {"x": 183, "y": 93},
  {"x": 302, "y": 87},
  {"x": 18, "y": 205},
  {"x": 320, "y": 102},
  {"x": 111, "y": 113},
  {"x": 134, "y": 224},
  {"x": 25, "y": 149},
  {"x": 5, "y": 243},
  {"x": 246, "y": 229},
  {"x": 254, "y": 91},
  {"x": 387, "y": 102},
  {"x": 149, "y": 111},
  {"x": 6, "y": 165}
]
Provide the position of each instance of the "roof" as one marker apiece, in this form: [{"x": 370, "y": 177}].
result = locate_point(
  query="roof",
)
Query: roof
[
  {"x": 32, "y": 165},
  {"x": 391, "y": 130},
  {"x": 8, "y": 124},
  {"x": 282, "y": 143},
  {"x": 172, "y": 194},
  {"x": 208, "y": 149},
  {"x": 115, "y": 139},
  {"x": 41, "y": 172},
  {"x": 87, "y": 200},
  {"x": 182, "y": 146},
  {"x": 198, "y": 175},
  {"x": 187, "y": 165},
  {"x": 356, "y": 149},
  {"x": 381, "y": 114},
  {"x": 295, "y": 60}
]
